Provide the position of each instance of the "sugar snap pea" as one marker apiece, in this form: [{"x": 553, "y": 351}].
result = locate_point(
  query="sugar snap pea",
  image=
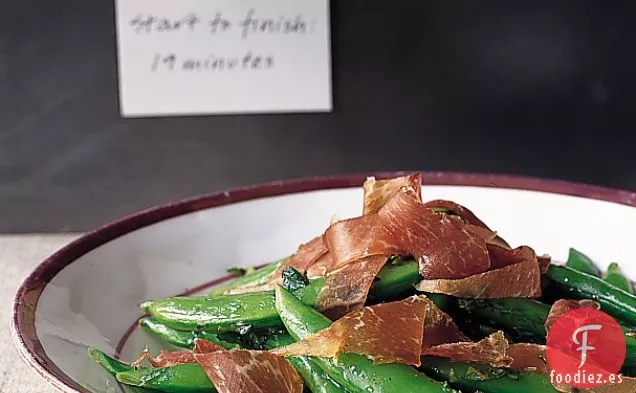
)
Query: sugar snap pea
[
  {"x": 615, "y": 276},
  {"x": 316, "y": 379},
  {"x": 527, "y": 317},
  {"x": 582, "y": 263},
  {"x": 216, "y": 314},
  {"x": 395, "y": 280},
  {"x": 189, "y": 377},
  {"x": 473, "y": 378},
  {"x": 574, "y": 284},
  {"x": 113, "y": 366},
  {"x": 229, "y": 312},
  {"x": 254, "y": 278},
  {"x": 182, "y": 378},
  {"x": 179, "y": 338},
  {"x": 354, "y": 372}
]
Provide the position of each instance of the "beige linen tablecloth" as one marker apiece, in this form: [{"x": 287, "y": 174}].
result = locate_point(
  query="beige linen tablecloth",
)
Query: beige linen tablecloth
[{"x": 19, "y": 255}]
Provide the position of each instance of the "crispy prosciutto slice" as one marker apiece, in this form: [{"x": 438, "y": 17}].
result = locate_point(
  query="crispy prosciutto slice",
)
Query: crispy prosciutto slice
[
  {"x": 564, "y": 306},
  {"x": 386, "y": 333},
  {"x": 491, "y": 350},
  {"x": 346, "y": 289},
  {"x": 439, "y": 327},
  {"x": 378, "y": 192},
  {"x": 528, "y": 357},
  {"x": 473, "y": 223},
  {"x": 165, "y": 358},
  {"x": 320, "y": 267},
  {"x": 306, "y": 255},
  {"x": 521, "y": 279},
  {"x": 234, "y": 370},
  {"x": 442, "y": 246},
  {"x": 464, "y": 213},
  {"x": 249, "y": 371}
]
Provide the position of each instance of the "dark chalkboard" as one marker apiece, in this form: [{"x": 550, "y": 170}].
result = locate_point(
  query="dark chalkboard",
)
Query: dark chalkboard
[{"x": 543, "y": 88}]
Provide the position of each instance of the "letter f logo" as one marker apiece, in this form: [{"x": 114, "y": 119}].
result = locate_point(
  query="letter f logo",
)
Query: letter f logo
[{"x": 584, "y": 347}]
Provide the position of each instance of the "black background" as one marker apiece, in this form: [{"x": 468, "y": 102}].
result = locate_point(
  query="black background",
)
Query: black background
[{"x": 542, "y": 88}]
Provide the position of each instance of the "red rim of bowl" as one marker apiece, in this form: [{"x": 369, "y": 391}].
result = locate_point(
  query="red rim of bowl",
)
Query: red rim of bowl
[{"x": 26, "y": 299}]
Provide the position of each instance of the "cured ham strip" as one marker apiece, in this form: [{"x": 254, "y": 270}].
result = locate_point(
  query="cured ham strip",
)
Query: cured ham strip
[
  {"x": 442, "y": 246},
  {"x": 528, "y": 357},
  {"x": 439, "y": 327},
  {"x": 386, "y": 333},
  {"x": 249, "y": 372},
  {"x": 505, "y": 256},
  {"x": 321, "y": 267},
  {"x": 518, "y": 280},
  {"x": 378, "y": 192},
  {"x": 165, "y": 358},
  {"x": 474, "y": 224},
  {"x": 491, "y": 350},
  {"x": 306, "y": 255},
  {"x": 347, "y": 289},
  {"x": 234, "y": 371},
  {"x": 563, "y": 306},
  {"x": 464, "y": 213}
]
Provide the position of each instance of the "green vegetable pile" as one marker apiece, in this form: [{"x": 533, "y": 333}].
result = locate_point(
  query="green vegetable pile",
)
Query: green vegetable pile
[{"x": 270, "y": 319}]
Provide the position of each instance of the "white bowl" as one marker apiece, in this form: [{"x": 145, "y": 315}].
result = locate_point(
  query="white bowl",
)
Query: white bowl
[{"x": 87, "y": 294}]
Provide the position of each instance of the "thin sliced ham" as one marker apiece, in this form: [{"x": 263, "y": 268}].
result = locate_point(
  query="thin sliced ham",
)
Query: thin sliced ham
[
  {"x": 306, "y": 255},
  {"x": 528, "y": 357},
  {"x": 385, "y": 333},
  {"x": 564, "y": 306},
  {"x": 249, "y": 372},
  {"x": 378, "y": 192},
  {"x": 347, "y": 289},
  {"x": 165, "y": 358},
  {"x": 439, "y": 327},
  {"x": 464, "y": 213},
  {"x": 320, "y": 267},
  {"x": 234, "y": 370},
  {"x": 491, "y": 350},
  {"x": 474, "y": 224},
  {"x": 521, "y": 279},
  {"x": 441, "y": 245}
]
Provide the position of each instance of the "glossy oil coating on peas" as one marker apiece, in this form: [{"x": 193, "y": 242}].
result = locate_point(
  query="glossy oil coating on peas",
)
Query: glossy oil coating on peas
[
  {"x": 577, "y": 285},
  {"x": 473, "y": 378}
]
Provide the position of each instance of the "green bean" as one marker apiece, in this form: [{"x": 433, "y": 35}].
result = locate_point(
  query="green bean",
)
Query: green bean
[
  {"x": 254, "y": 278},
  {"x": 582, "y": 263},
  {"x": 473, "y": 378},
  {"x": 577, "y": 285},
  {"x": 354, "y": 372},
  {"x": 179, "y": 338},
  {"x": 182, "y": 378},
  {"x": 615, "y": 276}
]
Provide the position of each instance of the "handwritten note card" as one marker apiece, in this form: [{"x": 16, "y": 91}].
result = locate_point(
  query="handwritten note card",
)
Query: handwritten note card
[{"x": 191, "y": 57}]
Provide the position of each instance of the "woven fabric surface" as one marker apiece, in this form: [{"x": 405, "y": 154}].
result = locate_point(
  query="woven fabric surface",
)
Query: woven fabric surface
[{"x": 19, "y": 255}]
